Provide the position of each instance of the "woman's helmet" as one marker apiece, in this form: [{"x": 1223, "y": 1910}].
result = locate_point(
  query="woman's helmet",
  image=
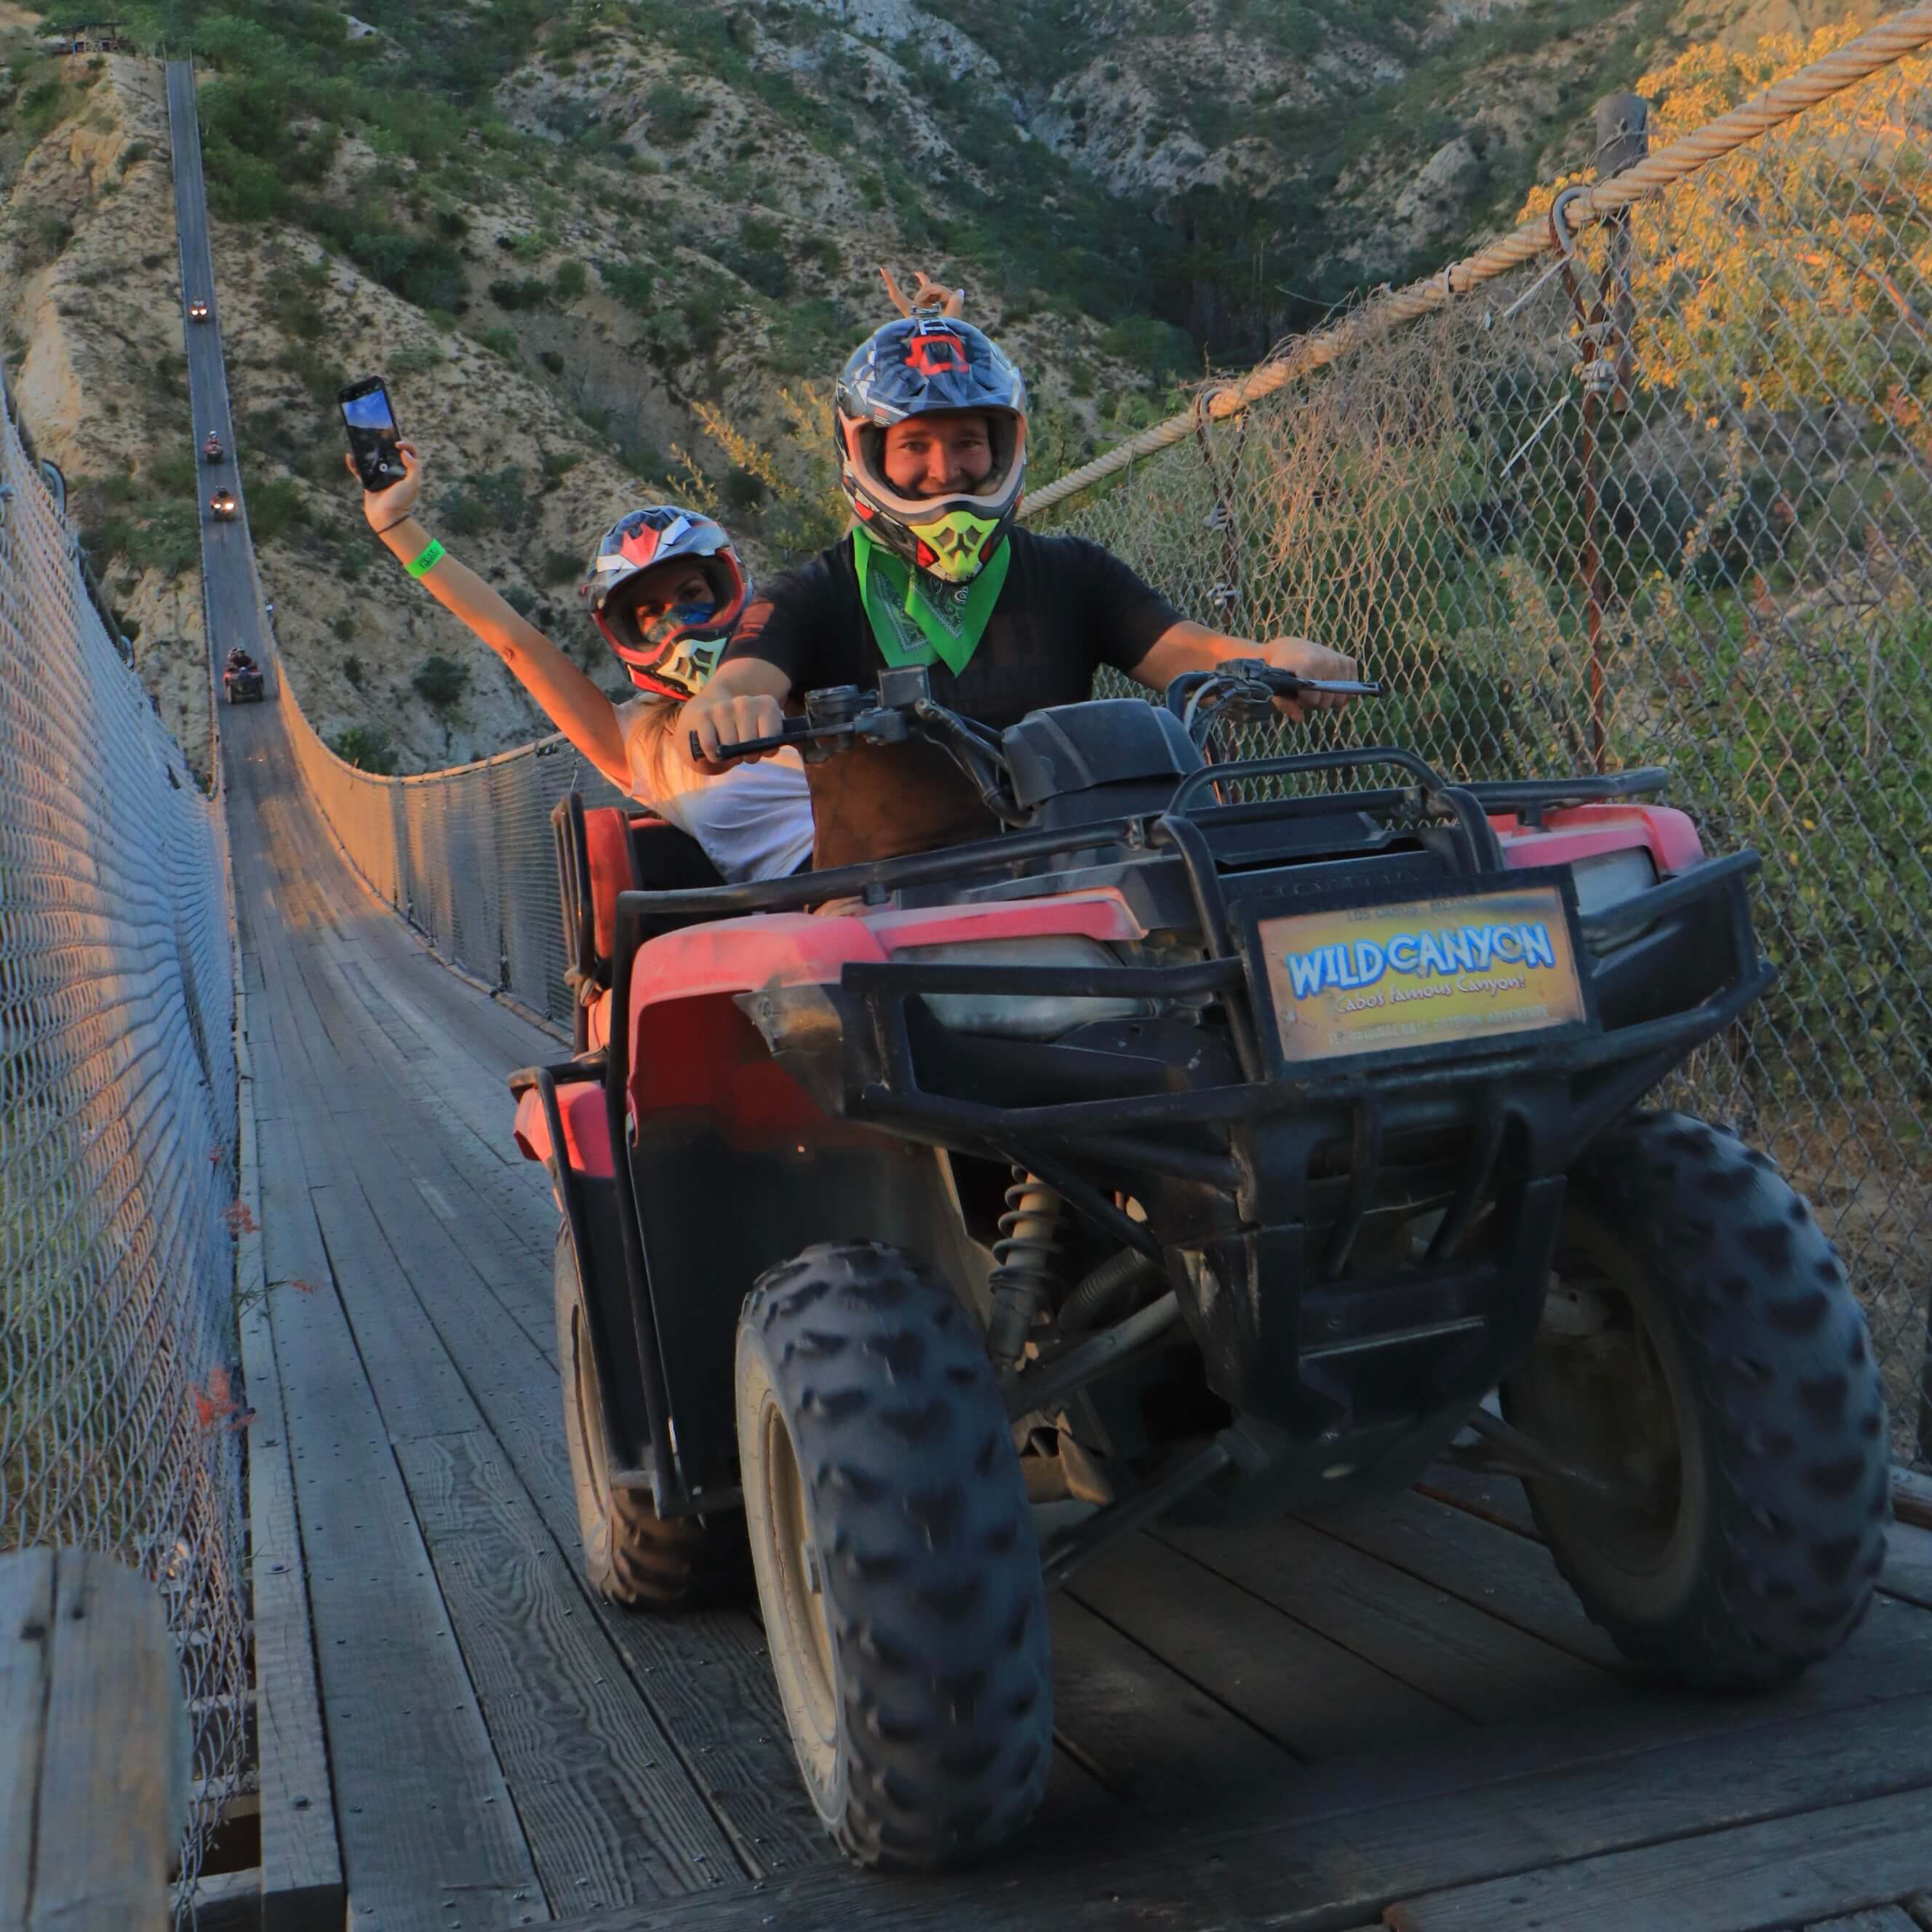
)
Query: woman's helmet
[
  {"x": 914, "y": 367},
  {"x": 669, "y": 654}
]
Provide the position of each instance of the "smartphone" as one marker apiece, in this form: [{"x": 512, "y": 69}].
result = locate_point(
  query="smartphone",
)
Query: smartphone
[{"x": 373, "y": 434}]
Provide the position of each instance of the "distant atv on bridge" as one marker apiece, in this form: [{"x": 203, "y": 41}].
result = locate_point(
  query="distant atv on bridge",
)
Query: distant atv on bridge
[
  {"x": 1213, "y": 1143},
  {"x": 241, "y": 678}
]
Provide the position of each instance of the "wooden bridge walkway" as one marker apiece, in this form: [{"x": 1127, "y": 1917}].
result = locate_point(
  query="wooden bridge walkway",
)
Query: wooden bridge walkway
[{"x": 1309, "y": 1725}]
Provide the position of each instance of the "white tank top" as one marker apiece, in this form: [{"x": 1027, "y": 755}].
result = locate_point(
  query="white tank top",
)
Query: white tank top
[{"x": 753, "y": 821}]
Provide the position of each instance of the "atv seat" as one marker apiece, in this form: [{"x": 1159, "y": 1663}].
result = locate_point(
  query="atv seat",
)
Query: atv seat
[{"x": 613, "y": 849}]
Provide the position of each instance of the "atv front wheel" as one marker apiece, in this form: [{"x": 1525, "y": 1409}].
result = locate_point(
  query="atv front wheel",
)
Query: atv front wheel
[
  {"x": 897, "y": 1568},
  {"x": 1702, "y": 1352},
  {"x": 631, "y": 1554}
]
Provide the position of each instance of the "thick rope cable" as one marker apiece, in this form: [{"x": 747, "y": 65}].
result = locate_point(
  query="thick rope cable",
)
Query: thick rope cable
[{"x": 1891, "y": 40}]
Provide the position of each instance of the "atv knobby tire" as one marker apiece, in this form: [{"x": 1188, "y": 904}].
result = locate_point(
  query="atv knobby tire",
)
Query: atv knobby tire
[
  {"x": 1738, "y": 1344},
  {"x": 898, "y": 1570},
  {"x": 631, "y": 1554}
]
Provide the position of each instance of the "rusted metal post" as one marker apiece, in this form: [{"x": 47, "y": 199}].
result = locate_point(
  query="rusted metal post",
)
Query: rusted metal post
[{"x": 1604, "y": 326}]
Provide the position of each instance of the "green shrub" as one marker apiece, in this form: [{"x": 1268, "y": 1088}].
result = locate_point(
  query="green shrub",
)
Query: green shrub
[
  {"x": 165, "y": 537},
  {"x": 493, "y": 500},
  {"x": 504, "y": 342},
  {"x": 344, "y": 628},
  {"x": 571, "y": 281},
  {"x": 559, "y": 566},
  {"x": 552, "y": 360},
  {"x": 42, "y": 108},
  {"x": 673, "y": 114},
  {"x": 274, "y": 507},
  {"x": 533, "y": 292},
  {"x": 366, "y": 747},
  {"x": 441, "y": 681},
  {"x": 704, "y": 319},
  {"x": 741, "y": 490},
  {"x": 630, "y": 282},
  {"x": 1158, "y": 349}
]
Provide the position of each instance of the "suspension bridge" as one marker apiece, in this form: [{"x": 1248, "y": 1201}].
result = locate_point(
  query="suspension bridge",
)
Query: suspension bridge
[{"x": 1401, "y": 1717}]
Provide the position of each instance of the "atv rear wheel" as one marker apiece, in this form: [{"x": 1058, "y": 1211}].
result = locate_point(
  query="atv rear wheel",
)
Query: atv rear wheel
[
  {"x": 631, "y": 1554},
  {"x": 1702, "y": 1348},
  {"x": 898, "y": 1571}
]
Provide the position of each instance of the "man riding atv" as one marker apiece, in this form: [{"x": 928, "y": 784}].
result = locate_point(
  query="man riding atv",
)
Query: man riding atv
[
  {"x": 931, "y": 425},
  {"x": 241, "y": 677},
  {"x": 211, "y": 448}
]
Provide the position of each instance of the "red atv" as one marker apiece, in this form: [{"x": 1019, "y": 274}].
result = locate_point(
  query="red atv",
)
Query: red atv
[
  {"x": 1211, "y": 1144},
  {"x": 241, "y": 679}
]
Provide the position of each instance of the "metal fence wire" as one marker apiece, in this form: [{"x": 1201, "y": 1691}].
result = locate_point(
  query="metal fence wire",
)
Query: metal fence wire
[
  {"x": 120, "y": 1400},
  {"x": 1662, "y": 495},
  {"x": 464, "y": 855}
]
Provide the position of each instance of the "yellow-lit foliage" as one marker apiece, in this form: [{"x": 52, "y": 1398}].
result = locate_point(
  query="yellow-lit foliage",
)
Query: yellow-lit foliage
[{"x": 1797, "y": 270}]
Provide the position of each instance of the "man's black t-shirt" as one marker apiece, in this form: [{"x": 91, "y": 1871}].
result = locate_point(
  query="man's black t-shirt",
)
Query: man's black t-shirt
[{"x": 1066, "y": 608}]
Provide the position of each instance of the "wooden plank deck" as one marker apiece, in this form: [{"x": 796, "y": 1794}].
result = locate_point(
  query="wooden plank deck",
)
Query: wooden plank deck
[{"x": 1403, "y": 1716}]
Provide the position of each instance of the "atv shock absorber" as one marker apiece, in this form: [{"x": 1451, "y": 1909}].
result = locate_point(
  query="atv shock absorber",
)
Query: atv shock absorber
[{"x": 1023, "y": 1279}]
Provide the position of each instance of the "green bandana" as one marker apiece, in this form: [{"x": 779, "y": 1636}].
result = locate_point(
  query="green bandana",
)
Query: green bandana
[{"x": 910, "y": 627}]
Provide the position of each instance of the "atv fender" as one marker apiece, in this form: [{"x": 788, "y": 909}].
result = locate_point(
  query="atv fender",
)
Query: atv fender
[{"x": 586, "y": 1131}]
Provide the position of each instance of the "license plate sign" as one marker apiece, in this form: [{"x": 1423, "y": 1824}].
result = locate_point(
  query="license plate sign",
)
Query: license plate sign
[{"x": 1430, "y": 974}]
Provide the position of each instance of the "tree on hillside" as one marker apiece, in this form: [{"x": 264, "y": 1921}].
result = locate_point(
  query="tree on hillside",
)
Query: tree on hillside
[{"x": 1797, "y": 271}]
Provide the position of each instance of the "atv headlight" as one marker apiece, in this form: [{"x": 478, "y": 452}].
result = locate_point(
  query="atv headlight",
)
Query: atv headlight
[
  {"x": 1021, "y": 1015},
  {"x": 1611, "y": 878}
]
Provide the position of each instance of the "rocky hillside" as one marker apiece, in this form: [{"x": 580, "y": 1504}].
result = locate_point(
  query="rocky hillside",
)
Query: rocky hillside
[{"x": 607, "y": 249}]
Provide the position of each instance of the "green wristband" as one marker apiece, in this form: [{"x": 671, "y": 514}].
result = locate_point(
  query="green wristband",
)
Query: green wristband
[{"x": 432, "y": 556}]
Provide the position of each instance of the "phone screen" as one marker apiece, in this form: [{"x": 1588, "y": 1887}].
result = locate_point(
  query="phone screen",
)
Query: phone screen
[{"x": 373, "y": 434}]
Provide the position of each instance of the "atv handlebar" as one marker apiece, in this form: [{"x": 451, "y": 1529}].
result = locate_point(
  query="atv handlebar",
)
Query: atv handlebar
[{"x": 835, "y": 719}]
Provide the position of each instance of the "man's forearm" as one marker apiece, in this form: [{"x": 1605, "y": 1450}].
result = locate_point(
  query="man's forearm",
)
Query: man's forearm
[
  {"x": 1183, "y": 647},
  {"x": 572, "y": 702},
  {"x": 745, "y": 677}
]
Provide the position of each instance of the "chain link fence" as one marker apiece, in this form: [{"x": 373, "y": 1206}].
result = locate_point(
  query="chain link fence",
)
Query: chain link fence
[
  {"x": 464, "y": 855},
  {"x": 1663, "y": 497},
  {"x": 120, "y": 1401}
]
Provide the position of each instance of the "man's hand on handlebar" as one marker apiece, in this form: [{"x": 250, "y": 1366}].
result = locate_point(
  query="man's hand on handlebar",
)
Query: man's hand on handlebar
[
  {"x": 741, "y": 702},
  {"x": 1308, "y": 659}
]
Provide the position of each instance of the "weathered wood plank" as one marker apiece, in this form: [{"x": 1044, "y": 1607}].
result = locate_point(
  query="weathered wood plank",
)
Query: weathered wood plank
[
  {"x": 665, "y": 1837},
  {"x": 26, "y": 1623},
  {"x": 1500, "y": 1499},
  {"x": 1878, "y": 1919},
  {"x": 1907, "y": 1574},
  {"x": 113, "y": 1784},
  {"x": 1309, "y": 1871},
  {"x": 301, "y": 1860},
  {"x": 1848, "y": 1856},
  {"x": 1145, "y": 1731},
  {"x": 1313, "y": 1696},
  {"x": 1491, "y": 1567},
  {"x": 610, "y": 1816},
  {"x": 426, "y": 1818},
  {"x": 1468, "y": 1659},
  {"x": 705, "y": 1676}
]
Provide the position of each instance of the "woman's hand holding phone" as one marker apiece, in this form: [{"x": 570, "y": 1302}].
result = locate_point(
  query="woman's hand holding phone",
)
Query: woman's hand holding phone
[{"x": 386, "y": 508}]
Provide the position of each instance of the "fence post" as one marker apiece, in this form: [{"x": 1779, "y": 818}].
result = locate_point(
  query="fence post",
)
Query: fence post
[
  {"x": 94, "y": 1746},
  {"x": 1622, "y": 130}
]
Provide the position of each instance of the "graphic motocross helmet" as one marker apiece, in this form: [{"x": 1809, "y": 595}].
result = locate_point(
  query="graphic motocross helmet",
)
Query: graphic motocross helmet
[
  {"x": 916, "y": 366},
  {"x": 671, "y": 654}
]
